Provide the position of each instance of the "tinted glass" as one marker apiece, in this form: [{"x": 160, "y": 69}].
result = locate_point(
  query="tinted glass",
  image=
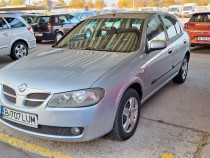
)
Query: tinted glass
[
  {"x": 114, "y": 35},
  {"x": 14, "y": 23},
  {"x": 205, "y": 17},
  {"x": 28, "y": 19},
  {"x": 63, "y": 19},
  {"x": 170, "y": 28},
  {"x": 3, "y": 24},
  {"x": 155, "y": 30},
  {"x": 42, "y": 19}
]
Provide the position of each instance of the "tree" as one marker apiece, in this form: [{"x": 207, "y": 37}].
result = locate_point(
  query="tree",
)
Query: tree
[
  {"x": 167, "y": 3},
  {"x": 17, "y": 2},
  {"x": 61, "y": 3},
  {"x": 90, "y": 4},
  {"x": 99, "y": 4},
  {"x": 125, "y": 3},
  {"x": 3, "y": 2},
  {"x": 77, "y": 4}
]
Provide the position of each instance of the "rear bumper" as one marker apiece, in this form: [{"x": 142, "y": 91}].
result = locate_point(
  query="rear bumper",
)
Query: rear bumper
[
  {"x": 195, "y": 34},
  {"x": 32, "y": 43},
  {"x": 45, "y": 36}
]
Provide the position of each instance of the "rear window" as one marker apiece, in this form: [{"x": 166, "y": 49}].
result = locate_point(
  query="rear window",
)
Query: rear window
[
  {"x": 14, "y": 22},
  {"x": 42, "y": 19},
  {"x": 200, "y": 17}
]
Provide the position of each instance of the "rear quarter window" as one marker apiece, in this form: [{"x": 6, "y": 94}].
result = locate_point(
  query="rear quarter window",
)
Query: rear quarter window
[
  {"x": 3, "y": 24},
  {"x": 204, "y": 17},
  {"x": 14, "y": 22}
]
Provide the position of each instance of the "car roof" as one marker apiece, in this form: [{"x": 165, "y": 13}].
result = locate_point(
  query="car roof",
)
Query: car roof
[
  {"x": 202, "y": 11},
  {"x": 133, "y": 14},
  {"x": 9, "y": 15}
]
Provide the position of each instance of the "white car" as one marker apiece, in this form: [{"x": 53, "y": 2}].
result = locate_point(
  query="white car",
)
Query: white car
[{"x": 16, "y": 36}]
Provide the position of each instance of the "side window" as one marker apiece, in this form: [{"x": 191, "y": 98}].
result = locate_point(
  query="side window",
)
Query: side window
[
  {"x": 56, "y": 20},
  {"x": 63, "y": 19},
  {"x": 155, "y": 30},
  {"x": 177, "y": 26},
  {"x": 14, "y": 22},
  {"x": 73, "y": 20},
  {"x": 84, "y": 16},
  {"x": 3, "y": 24},
  {"x": 170, "y": 28}
]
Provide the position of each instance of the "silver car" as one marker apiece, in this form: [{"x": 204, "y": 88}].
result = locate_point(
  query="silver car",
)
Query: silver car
[
  {"x": 16, "y": 36},
  {"x": 89, "y": 86}
]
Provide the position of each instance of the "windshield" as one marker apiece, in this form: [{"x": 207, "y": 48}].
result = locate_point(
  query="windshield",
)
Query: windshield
[
  {"x": 114, "y": 35},
  {"x": 204, "y": 17},
  {"x": 187, "y": 8},
  {"x": 76, "y": 14},
  {"x": 42, "y": 19},
  {"x": 173, "y": 9}
]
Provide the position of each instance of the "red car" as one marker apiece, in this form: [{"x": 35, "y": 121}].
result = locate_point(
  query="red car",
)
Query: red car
[{"x": 198, "y": 28}]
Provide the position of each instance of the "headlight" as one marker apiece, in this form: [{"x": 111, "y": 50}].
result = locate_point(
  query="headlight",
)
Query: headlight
[{"x": 79, "y": 98}]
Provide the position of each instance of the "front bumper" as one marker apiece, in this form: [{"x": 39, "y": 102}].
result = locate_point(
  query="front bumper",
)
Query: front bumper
[{"x": 96, "y": 121}]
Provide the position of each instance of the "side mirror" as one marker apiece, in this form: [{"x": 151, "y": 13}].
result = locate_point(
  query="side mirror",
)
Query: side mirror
[{"x": 157, "y": 45}]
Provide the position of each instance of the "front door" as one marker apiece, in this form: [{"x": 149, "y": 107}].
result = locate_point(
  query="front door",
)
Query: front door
[{"x": 158, "y": 65}]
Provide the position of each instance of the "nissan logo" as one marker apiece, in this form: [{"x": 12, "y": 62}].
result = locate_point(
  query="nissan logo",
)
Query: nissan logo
[{"x": 22, "y": 87}]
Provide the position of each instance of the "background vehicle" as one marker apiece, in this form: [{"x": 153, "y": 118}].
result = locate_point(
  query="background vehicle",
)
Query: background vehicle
[
  {"x": 84, "y": 15},
  {"x": 29, "y": 18},
  {"x": 175, "y": 9},
  {"x": 189, "y": 9},
  {"x": 93, "y": 85},
  {"x": 53, "y": 27},
  {"x": 198, "y": 28},
  {"x": 16, "y": 36}
]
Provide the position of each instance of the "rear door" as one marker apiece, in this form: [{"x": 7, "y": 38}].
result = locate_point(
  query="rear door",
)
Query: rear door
[
  {"x": 5, "y": 36},
  {"x": 158, "y": 65}
]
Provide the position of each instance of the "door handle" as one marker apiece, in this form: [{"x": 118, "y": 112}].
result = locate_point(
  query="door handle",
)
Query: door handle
[
  {"x": 184, "y": 41},
  {"x": 5, "y": 34},
  {"x": 169, "y": 51}
]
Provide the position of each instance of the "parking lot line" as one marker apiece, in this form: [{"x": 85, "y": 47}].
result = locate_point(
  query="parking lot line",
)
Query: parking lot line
[
  {"x": 166, "y": 155},
  {"x": 31, "y": 147}
]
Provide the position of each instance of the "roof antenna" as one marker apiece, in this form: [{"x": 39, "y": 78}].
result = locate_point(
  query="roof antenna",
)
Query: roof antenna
[{"x": 114, "y": 13}]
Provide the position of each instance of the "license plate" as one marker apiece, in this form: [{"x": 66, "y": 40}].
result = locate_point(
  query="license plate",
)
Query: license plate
[
  {"x": 38, "y": 34},
  {"x": 203, "y": 38},
  {"x": 20, "y": 117}
]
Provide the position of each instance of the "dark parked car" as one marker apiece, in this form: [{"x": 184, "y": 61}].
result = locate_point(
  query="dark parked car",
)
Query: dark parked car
[
  {"x": 84, "y": 15},
  {"x": 53, "y": 27}
]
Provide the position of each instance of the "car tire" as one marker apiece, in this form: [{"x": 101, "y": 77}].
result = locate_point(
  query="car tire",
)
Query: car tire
[
  {"x": 19, "y": 50},
  {"x": 127, "y": 116},
  {"x": 58, "y": 36},
  {"x": 182, "y": 75},
  {"x": 38, "y": 41}
]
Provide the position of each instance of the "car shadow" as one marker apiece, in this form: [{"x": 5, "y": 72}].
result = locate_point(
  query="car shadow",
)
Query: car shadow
[{"x": 201, "y": 49}]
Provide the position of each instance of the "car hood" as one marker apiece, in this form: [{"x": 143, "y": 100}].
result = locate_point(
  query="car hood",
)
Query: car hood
[{"x": 60, "y": 70}]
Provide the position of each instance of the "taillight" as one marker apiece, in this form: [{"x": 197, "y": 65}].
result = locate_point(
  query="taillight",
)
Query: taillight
[
  {"x": 187, "y": 25},
  {"x": 50, "y": 26},
  {"x": 31, "y": 30}
]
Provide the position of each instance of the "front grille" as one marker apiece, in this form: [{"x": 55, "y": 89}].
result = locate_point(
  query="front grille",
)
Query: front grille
[
  {"x": 9, "y": 94},
  {"x": 50, "y": 130},
  {"x": 35, "y": 99}
]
